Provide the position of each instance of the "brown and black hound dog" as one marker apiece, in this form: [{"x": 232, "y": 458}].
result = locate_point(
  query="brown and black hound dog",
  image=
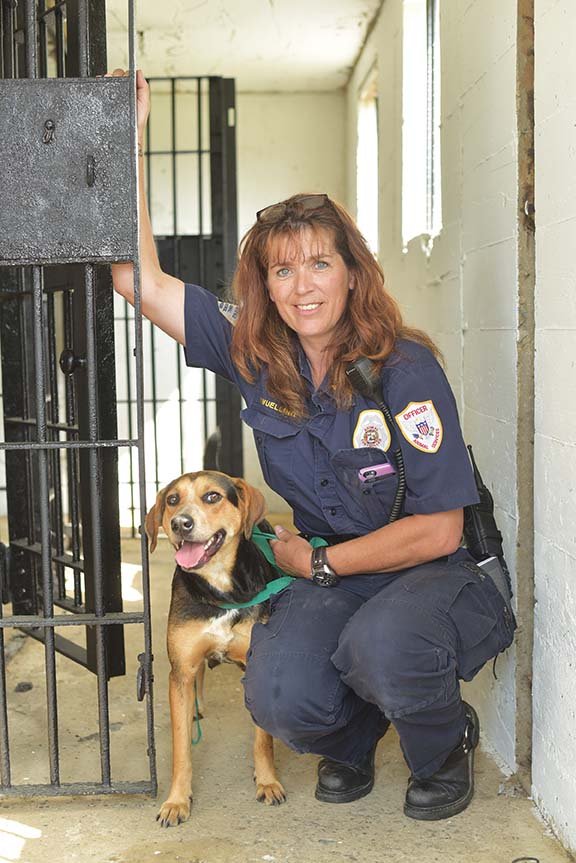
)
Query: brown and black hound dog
[{"x": 208, "y": 517}]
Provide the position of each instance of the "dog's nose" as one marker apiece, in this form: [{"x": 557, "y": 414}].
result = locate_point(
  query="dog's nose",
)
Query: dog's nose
[{"x": 182, "y": 524}]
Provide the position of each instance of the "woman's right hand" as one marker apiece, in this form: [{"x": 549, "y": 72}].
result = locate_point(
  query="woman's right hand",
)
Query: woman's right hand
[{"x": 142, "y": 99}]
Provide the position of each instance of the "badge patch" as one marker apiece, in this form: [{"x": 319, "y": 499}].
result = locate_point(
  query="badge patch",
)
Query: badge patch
[
  {"x": 371, "y": 430},
  {"x": 421, "y": 426},
  {"x": 229, "y": 310}
]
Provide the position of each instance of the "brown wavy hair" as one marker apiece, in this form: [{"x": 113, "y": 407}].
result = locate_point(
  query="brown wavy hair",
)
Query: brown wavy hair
[{"x": 370, "y": 325}]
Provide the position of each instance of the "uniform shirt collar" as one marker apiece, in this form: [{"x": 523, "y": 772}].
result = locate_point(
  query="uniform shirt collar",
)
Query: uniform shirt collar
[{"x": 323, "y": 393}]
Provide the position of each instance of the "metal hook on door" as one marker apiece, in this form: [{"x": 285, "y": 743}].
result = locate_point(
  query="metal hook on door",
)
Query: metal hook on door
[{"x": 49, "y": 127}]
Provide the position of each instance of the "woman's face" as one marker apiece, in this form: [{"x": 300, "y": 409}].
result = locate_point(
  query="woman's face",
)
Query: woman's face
[{"x": 309, "y": 283}]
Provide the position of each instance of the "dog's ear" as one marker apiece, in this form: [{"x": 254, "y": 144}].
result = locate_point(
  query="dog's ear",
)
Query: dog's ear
[
  {"x": 252, "y": 505},
  {"x": 154, "y": 519}
]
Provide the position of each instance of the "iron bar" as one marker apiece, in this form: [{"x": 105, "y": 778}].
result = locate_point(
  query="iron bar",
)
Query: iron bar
[
  {"x": 147, "y": 659},
  {"x": 79, "y": 789},
  {"x": 53, "y": 414},
  {"x": 71, "y": 455},
  {"x": 83, "y": 42},
  {"x": 180, "y": 152},
  {"x": 44, "y": 496},
  {"x": 8, "y": 53},
  {"x": 4, "y": 737},
  {"x": 23, "y": 621},
  {"x": 59, "y": 36},
  {"x": 31, "y": 38},
  {"x": 154, "y": 402},
  {"x": 62, "y": 444},
  {"x": 95, "y": 502},
  {"x": 57, "y": 7},
  {"x": 201, "y": 232},
  {"x": 129, "y": 415},
  {"x": 53, "y": 426},
  {"x": 176, "y": 254},
  {"x": 36, "y": 548},
  {"x": 43, "y": 65}
]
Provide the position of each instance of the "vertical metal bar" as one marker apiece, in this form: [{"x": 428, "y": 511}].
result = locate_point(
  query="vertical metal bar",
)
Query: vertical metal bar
[
  {"x": 223, "y": 198},
  {"x": 83, "y": 39},
  {"x": 201, "y": 258},
  {"x": 140, "y": 418},
  {"x": 154, "y": 402},
  {"x": 72, "y": 455},
  {"x": 44, "y": 492},
  {"x": 5, "y": 778},
  {"x": 153, "y": 367},
  {"x": 95, "y": 506},
  {"x": 31, "y": 38},
  {"x": 60, "y": 53},
  {"x": 43, "y": 71},
  {"x": 54, "y": 456},
  {"x": 176, "y": 247},
  {"x": 200, "y": 178},
  {"x": 28, "y": 571},
  {"x": 129, "y": 412},
  {"x": 431, "y": 110},
  {"x": 8, "y": 52}
]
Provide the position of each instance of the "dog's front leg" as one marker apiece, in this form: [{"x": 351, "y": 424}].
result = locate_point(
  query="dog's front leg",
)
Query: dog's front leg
[
  {"x": 181, "y": 692},
  {"x": 268, "y": 788}
]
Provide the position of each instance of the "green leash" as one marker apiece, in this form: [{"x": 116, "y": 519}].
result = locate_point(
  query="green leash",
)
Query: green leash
[
  {"x": 261, "y": 539},
  {"x": 198, "y": 736}
]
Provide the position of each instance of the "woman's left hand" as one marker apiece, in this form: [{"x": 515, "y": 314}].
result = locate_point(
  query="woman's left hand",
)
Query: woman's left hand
[{"x": 292, "y": 552}]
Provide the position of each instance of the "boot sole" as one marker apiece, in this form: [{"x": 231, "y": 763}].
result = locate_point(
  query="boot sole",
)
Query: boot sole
[
  {"x": 438, "y": 813},
  {"x": 344, "y": 796}
]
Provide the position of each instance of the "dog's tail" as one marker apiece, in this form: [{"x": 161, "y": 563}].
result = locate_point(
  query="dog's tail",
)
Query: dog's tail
[{"x": 211, "y": 460}]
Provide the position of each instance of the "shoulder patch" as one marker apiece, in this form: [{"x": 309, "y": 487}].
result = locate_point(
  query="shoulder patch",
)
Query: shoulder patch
[
  {"x": 229, "y": 310},
  {"x": 371, "y": 430},
  {"x": 421, "y": 426}
]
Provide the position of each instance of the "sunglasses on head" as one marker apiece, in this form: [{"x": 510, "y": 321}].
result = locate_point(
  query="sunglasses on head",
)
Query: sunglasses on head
[{"x": 305, "y": 204}]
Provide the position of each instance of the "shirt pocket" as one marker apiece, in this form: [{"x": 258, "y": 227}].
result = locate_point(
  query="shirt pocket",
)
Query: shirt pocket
[
  {"x": 374, "y": 498},
  {"x": 274, "y": 438}
]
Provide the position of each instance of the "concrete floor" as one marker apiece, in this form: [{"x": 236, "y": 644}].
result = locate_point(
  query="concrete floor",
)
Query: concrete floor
[{"x": 227, "y": 824}]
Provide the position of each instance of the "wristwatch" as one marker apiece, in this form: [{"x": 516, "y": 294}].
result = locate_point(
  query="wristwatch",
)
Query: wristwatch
[{"x": 322, "y": 572}]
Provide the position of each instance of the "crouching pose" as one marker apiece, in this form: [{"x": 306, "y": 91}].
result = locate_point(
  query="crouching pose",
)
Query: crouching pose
[{"x": 382, "y": 623}]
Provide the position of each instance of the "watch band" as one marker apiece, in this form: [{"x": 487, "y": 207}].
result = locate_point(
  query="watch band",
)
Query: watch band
[{"x": 322, "y": 572}]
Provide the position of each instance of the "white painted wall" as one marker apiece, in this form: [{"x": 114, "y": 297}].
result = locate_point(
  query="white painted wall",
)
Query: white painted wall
[
  {"x": 287, "y": 143},
  {"x": 464, "y": 292},
  {"x": 554, "y": 682}
]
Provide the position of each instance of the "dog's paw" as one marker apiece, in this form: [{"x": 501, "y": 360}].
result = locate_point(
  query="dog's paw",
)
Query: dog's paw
[
  {"x": 174, "y": 812},
  {"x": 272, "y": 794}
]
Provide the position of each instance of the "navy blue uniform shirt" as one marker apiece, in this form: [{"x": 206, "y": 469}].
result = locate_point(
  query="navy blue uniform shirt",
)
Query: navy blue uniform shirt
[{"x": 314, "y": 462}]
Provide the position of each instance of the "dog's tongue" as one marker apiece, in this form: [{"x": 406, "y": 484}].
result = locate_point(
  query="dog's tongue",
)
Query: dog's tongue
[{"x": 190, "y": 554}]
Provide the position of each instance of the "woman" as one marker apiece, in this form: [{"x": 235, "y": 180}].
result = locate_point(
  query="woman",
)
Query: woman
[{"x": 379, "y": 625}]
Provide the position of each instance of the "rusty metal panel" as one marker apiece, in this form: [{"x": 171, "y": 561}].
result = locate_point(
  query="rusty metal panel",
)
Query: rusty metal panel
[{"x": 67, "y": 163}]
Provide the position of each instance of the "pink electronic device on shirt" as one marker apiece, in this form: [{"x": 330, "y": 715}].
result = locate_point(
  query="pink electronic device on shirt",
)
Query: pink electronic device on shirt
[{"x": 375, "y": 471}]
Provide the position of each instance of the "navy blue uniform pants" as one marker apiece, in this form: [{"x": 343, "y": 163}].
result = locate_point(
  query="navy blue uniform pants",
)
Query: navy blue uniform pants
[{"x": 330, "y": 662}]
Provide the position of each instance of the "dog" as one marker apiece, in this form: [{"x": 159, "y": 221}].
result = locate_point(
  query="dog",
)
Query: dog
[{"x": 208, "y": 517}]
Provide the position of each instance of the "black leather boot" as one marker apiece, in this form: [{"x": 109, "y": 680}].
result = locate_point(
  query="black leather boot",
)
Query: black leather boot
[
  {"x": 342, "y": 783},
  {"x": 450, "y": 789}
]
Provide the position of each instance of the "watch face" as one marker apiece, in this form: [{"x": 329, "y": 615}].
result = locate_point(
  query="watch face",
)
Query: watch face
[{"x": 325, "y": 579}]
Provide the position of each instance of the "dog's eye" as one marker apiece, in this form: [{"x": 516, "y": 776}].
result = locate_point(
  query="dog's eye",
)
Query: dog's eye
[
  {"x": 212, "y": 497},
  {"x": 172, "y": 499}
]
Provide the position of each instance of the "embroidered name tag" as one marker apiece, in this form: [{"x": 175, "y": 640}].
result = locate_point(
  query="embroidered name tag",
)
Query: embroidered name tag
[
  {"x": 371, "y": 430},
  {"x": 421, "y": 426}
]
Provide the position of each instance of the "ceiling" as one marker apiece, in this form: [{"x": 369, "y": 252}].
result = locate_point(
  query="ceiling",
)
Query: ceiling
[{"x": 271, "y": 45}]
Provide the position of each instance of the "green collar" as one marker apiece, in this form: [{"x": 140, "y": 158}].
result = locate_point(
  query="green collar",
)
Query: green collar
[{"x": 262, "y": 540}]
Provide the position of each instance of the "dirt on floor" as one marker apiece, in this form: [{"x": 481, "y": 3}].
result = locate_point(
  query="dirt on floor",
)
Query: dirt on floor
[{"x": 227, "y": 824}]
